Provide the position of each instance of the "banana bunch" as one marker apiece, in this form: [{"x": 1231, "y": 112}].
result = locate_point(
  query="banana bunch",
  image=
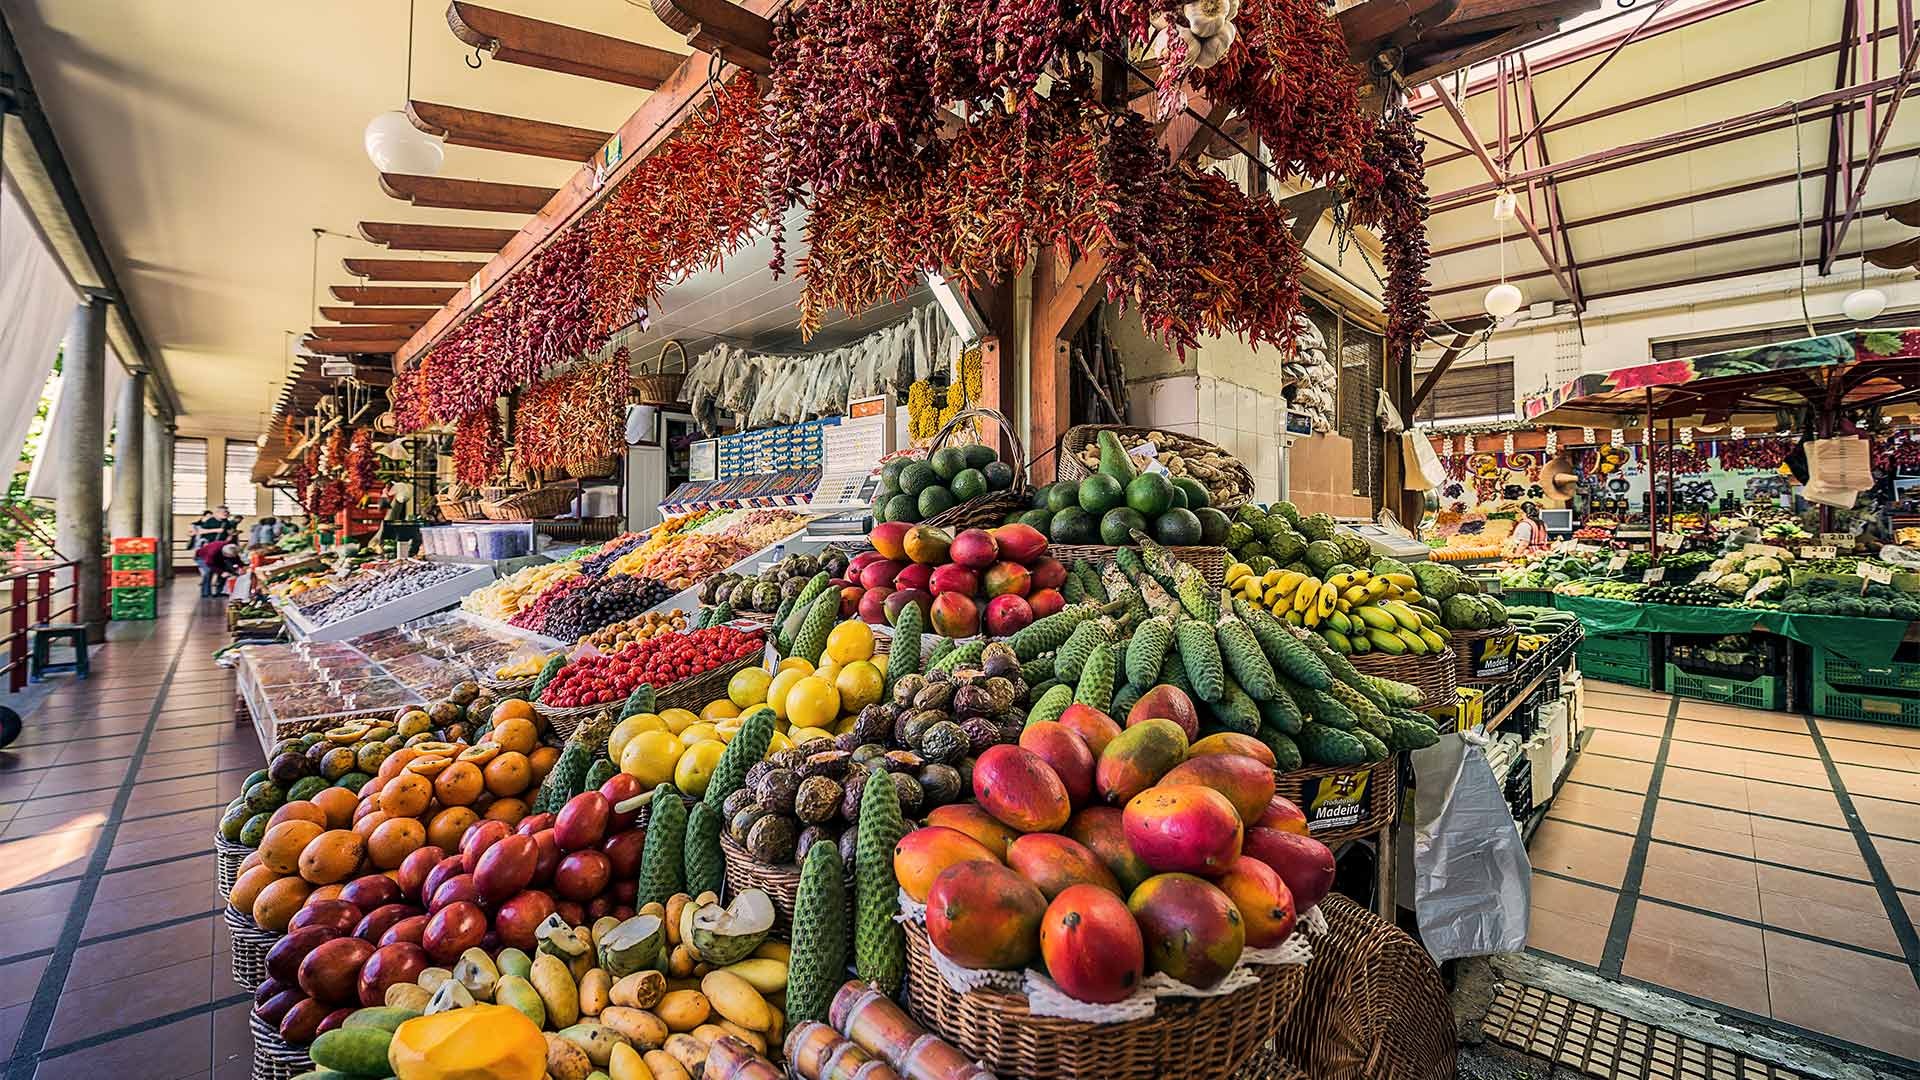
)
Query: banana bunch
[
  {"x": 1389, "y": 626},
  {"x": 1531, "y": 642},
  {"x": 1301, "y": 599}
]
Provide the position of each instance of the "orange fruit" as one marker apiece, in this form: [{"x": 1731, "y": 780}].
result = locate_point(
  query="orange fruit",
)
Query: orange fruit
[
  {"x": 406, "y": 795},
  {"x": 479, "y": 755},
  {"x": 279, "y": 902},
  {"x": 511, "y": 709},
  {"x": 395, "y": 762},
  {"x": 247, "y": 886},
  {"x": 394, "y": 840},
  {"x": 429, "y": 766},
  {"x": 339, "y": 805},
  {"x": 364, "y": 827},
  {"x": 298, "y": 810},
  {"x": 509, "y": 810},
  {"x": 327, "y": 892},
  {"x": 542, "y": 761},
  {"x": 448, "y": 826},
  {"x": 509, "y": 774},
  {"x": 516, "y": 733},
  {"x": 459, "y": 783},
  {"x": 280, "y": 849}
]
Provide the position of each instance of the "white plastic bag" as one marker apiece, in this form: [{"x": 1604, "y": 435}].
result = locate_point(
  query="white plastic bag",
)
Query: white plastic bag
[{"x": 1472, "y": 881}]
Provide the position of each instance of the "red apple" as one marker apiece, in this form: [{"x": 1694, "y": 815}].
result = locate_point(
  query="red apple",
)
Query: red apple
[
  {"x": 582, "y": 875},
  {"x": 955, "y": 615},
  {"x": 1045, "y": 602},
  {"x": 1007, "y": 615}
]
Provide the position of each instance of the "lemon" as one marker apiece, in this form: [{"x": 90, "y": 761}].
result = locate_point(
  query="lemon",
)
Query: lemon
[
  {"x": 859, "y": 683},
  {"x": 797, "y": 663},
  {"x": 779, "y": 742},
  {"x": 851, "y": 640},
  {"x": 748, "y": 686},
  {"x": 813, "y": 702},
  {"x": 828, "y": 669},
  {"x": 880, "y": 661},
  {"x": 727, "y": 729},
  {"x": 678, "y": 719},
  {"x": 699, "y": 732},
  {"x": 782, "y": 685},
  {"x": 628, "y": 728},
  {"x": 695, "y": 767},
  {"x": 719, "y": 709},
  {"x": 809, "y": 734},
  {"x": 649, "y": 756}
]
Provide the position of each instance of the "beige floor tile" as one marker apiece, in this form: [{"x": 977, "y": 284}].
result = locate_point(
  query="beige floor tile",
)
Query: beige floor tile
[
  {"x": 1888, "y": 734},
  {"x": 1735, "y": 897},
  {"x": 1630, "y": 722},
  {"x": 1740, "y": 717},
  {"x": 1828, "y": 923},
  {"x": 1870, "y": 976},
  {"x": 1623, "y": 744},
  {"x": 1714, "y": 976},
  {"x": 1609, "y": 772},
  {"x": 1852, "y": 895},
  {"x": 1835, "y": 1007},
  {"x": 1884, "y": 817},
  {"x": 1566, "y": 937},
  {"x": 1882, "y": 784},
  {"x": 1712, "y": 789},
  {"x": 1590, "y": 855},
  {"x": 1880, "y": 755}
]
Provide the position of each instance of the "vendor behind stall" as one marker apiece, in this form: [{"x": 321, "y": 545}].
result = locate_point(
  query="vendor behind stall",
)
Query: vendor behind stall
[{"x": 1529, "y": 533}]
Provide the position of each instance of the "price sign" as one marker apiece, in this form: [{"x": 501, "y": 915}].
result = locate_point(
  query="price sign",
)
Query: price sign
[
  {"x": 1618, "y": 562},
  {"x": 1815, "y": 552},
  {"x": 1761, "y": 586},
  {"x": 1672, "y": 539},
  {"x": 1875, "y": 574},
  {"x": 1658, "y": 573},
  {"x": 1839, "y": 540}
]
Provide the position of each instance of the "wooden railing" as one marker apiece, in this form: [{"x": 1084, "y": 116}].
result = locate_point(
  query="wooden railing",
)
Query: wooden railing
[{"x": 29, "y": 591}]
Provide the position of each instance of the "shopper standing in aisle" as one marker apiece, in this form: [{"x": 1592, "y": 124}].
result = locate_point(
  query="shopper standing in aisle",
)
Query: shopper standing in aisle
[
  {"x": 218, "y": 559},
  {"x": 205, "y": 528}
]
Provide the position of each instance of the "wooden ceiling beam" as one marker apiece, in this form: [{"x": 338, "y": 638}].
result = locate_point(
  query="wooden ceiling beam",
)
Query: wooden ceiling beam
[
  {"x": 393, "y": 316},
  {"x": 403, "y": 236},
  {"x": 356, "y": 332},
  {"x": 392, "y": 295},
  {"x": 411, "y": 269},
  {"x": 506, "y": 134},
  {"x": 516, "y": 39},
  {"x": 443, "y": 193},
  {"x": 355, "y": 348}
]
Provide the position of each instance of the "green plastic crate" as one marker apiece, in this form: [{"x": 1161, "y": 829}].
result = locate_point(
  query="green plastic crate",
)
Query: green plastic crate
[
  {"x": 1764, "y": 692},
  {"x": 135, "y": 562},
  {"x": 1635, "y": 649},
  {"x": 1871, "y": 708},
  {"x": 1837, "y": 671},
  {"x": 1615, "y": 670},
  {"x": 127, "y": 605},
  {"x": 1528, "y": 597}
]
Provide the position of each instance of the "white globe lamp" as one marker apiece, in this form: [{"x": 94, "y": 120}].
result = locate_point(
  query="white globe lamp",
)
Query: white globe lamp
[
  {"x": 1863, "y": 304},
  {"x": 395, "y": 146},
  {"x": 1502, "y": 300}
]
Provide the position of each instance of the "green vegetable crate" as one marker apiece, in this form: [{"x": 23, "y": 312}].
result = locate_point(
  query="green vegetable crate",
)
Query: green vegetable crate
[
  {"x": 1620, "y": 658},
  {"x": 129, "y": 605},
  {"x": 1528, "y": 597},
  {"x": 1846, "y": 689},
  {"x": 148, "y": 561},
  {"x": 1763, "y": 692},
  {"x": 1836, "y": 671}
]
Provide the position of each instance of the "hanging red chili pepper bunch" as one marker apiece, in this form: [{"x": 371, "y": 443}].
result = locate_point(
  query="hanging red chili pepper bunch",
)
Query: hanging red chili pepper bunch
[
  {"x": 325, "y": 497},
  {"x": 685, "y": 207},
  {"x": 1289, "y": 76},
  {"x": 299, "y": 476},
  {"x": 1764, "y": 454},
  {"x": 1680, "y": 460},
  {"x": 1397, "y": 206},
  {"x": 336, "y": 451},
  {"x": 362, "y": 467},
  {"x": 574, "y": 418},
  {"x": 1895, "y": 450},
  {"x": 479, "y": 447},
  {"x": 408, "y": 397}
]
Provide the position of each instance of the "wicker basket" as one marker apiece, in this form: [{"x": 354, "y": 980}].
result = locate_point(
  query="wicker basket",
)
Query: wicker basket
[
  {"x": 1268, "y": 1064},
  {"x": 781, "y": 883},
  {"x": 592, "y": 468},
  {"x": 273, "y": 1059},
  {"x": 1068, "y": 466},
  {"x": 992, "y": 508},
  {"x": 1470, "y": 649},
  {"x": 1435, "y": 674},
  {"x": 1210, "y": 561},
  {"x": 1208, "y": 1038},
  {"x": 535, "y": 505},
  {"x": 660, "y": 386},
  {"x": 501, "y": 689},
  {"x": 564, "y": 722},
  {"x": 1311, "y": 789},
  {"x": 250, "y": 945},
  {"x": 1374, "y": 1005},
  {"x": 227, "y": 857},
  {"x": 454, "y": 509},
  {"x": 693, "y": 694}
]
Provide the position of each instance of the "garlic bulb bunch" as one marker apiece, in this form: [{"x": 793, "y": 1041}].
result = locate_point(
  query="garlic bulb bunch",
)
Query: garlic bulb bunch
[{"x": 1208, "y": 31}]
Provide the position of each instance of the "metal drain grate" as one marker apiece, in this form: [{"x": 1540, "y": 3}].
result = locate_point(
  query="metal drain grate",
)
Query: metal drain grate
[{"x": 1608, "y": 1045}]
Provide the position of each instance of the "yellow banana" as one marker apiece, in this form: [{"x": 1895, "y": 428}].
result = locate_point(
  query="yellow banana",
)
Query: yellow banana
[
  {"x": 1311, "y": 618},
  {"x": 1376, "y": 617},
  {"x": 1354, "y": 594},
  {"x": 1378, "y": 588},
  {"x": 1415, "y": 643},
  {"x": 1329, "y": 596},
  {"x": 1401, "y": 581},
  {"x": 1361, "y": 577},
  {"x": 1306, "y": 594},
  {"x": 1290, "y": 579},
  {"x": 1386, "y": 641},
  {"x": 1433, "y": 640},
  {"x": 1341, "y": 581},
  {"x": 1238, "y": 571}
]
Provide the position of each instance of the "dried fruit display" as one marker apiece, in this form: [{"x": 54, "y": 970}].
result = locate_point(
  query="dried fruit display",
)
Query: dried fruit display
[
  {"x": 601, "y": 602},
  {"x": 534, "y": 615},
  {"x": 517, "y": 591},
  {"x": 618, "y": 635}
]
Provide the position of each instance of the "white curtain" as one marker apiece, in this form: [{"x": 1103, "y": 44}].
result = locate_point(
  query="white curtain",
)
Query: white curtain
[
  {"x": 43, "y": 482},
  {"x": 36, "y": 303}
]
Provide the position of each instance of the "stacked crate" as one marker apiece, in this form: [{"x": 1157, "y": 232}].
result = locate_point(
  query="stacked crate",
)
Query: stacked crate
[{"x": 133, "y": 579}]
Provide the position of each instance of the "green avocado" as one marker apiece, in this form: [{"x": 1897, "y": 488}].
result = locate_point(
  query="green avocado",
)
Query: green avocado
[
  {"x": 979, "y": 455},
  {"x": 1178, "y": 527},
  {"x": 1039, "y": 519},
  {"x": 918, "y": 477},
  {"x": 948, "y": 461},
  {"x": 1062, "y": 495},
  {"x": 1117, "y": 525},
  {"x": 903, "y": 508},
  {"x": 1197, "y": 496},
  {"x": 935, "y": 500},
  {"x": 1100, "y": 493},
  {"x": 999, "y": 475},
  {"x": 1072, "y": 525},
  {"x": 1179, "y": 497},
  {"x": 1150, "y": 494},
  {"x": 968, "y": 484},
  {"x": 1213, "y": 526}
]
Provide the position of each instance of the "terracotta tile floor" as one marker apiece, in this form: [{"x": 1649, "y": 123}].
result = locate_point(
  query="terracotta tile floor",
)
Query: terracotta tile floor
[
  {"x": 1744, "y": 885},
  {"x": 114, "y": 954}
]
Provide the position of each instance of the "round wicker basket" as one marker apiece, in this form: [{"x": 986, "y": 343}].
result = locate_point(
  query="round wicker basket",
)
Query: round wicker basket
[
  {"x": 780, "y": 883},
  {"x": 1068, "y": 466},
  {"x": 991, "y": 509},
  {"x": 1374, "y": 1005},
  {"x": 1210, "y": 561},
  {"x": 1377, "y": 808},
  {"x": 1464, "y": 649},
  {"x": 1210, "y": 1038},
  {"x": 1267, "y": 1064},
  {"x": 1435, "y": 674},
  {"x": 564, "y": 722},
  {"x": 250, "y": 945},
  {"x": 227, "y": 857},
  {"x": 273, "y": 1059}
]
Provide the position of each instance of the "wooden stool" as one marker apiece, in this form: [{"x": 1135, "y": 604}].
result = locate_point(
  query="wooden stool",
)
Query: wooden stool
[{"x": 45, "y": 635}]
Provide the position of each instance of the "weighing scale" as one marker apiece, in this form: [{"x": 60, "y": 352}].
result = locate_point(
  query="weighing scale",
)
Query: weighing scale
[{"x": 1390, "y": 544}]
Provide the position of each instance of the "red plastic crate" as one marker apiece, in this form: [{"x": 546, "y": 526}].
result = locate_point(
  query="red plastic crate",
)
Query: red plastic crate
[
  {"x": 135, "y": 545},
  {"x": 131, "y": 579}
]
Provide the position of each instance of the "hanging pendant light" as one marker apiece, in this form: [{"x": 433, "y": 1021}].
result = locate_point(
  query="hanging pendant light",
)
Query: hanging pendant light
[
  {"x": 392, "y": 143},
  {"x": 1503, "y": 299},
  {"x": 1864, "y": 302}
]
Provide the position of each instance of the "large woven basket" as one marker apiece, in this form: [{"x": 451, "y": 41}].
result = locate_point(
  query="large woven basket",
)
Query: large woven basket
[
  {"x": 1068, "y": 466},
  {"x": 1305, "y": 788},
  {"x": 250, "y": 945},
  {"x": 1466, "y": 643},
  {"x": 540, "y": 503},
  {"x": 1192, "y": 1038},
  {"x": 1374, "y": 1007},
  {"x": 693, "y": 694},
  {"x": 1268, "y": 1064},
  {"x": 780, "y": 883},
  {"x": 991, "y": 509},
  {"x": 564, "y": 722},
  {"x": 1437, "y": 675},
  {"x": 660, "y": 386},
  {"x": 273, "y": 1059},
  {"x": 1210, "y": 561},
  {"x": 227, "y": 857}
]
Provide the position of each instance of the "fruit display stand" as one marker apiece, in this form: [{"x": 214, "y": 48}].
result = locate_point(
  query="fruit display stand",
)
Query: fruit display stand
[{"x": 411, "y": 605}]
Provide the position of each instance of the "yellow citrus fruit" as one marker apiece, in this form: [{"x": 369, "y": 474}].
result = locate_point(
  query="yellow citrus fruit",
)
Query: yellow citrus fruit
[
  {"x": 813, "y": 702},
  {"x": 699, "y": 732},
  {"x": 809, "y": 734},
  {"x": 844, "y": 724},
  {"x": 678, "y": 719},
  {"x": 728, "y": 728},
  {"x": 796, "y": 663},
  {"x": 695, "y": 767},
  {"x": 779, "y": 742},
  {"x": 628, "y": 728},
  {"x": 859, "y": 684},
  {"x": 748, "y": 686},
  {"x": 829, "y": 669},
  {"x": 851, "y": 640},
  {"x": 650, "y": 757},
  {"x": 781, "y": 686},
  {"x": 880, "y": 661},
  {"x": 719, "y": 709}
]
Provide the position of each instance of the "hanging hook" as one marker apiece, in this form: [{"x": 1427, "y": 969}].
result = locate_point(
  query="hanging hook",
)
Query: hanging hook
[{"x": 477, "y": 58}]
